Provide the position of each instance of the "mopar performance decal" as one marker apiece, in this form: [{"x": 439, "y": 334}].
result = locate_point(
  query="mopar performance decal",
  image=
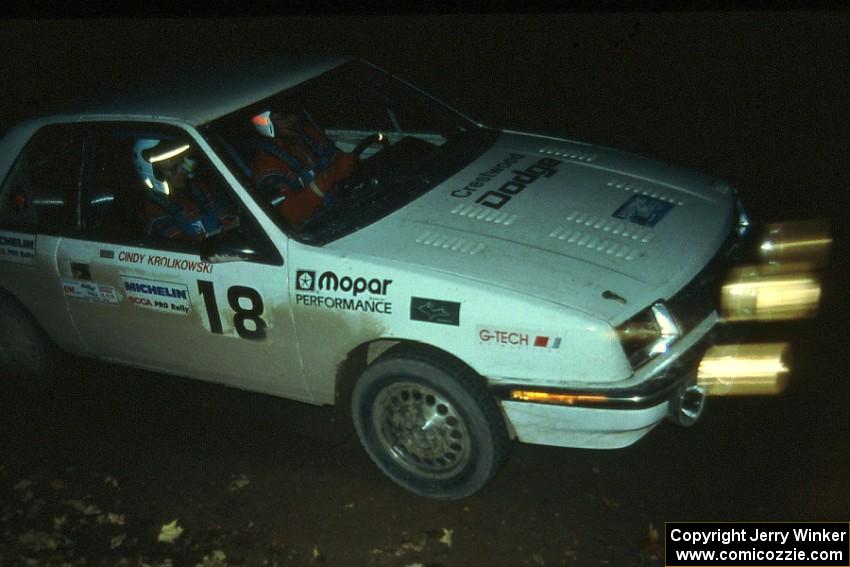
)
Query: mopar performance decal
[
  {"x": 305, "y": 280},
  {"x": 496, "y": 199},
  {"x": 160, "y": 296},
  {"x": 89, "y": 291},
  {"x": 17, "y": 248},
  {"x": 643, "y": 210},
  {"x": 344, "y": 303},
  {"x": 165, "y": 262},
  {"x": 435, "y": 311},
  {"x": 330, "y": 282},
  {"x": 521, "y": 339}
]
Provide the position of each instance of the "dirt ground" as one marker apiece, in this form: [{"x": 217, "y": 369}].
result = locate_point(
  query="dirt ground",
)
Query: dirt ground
[
  {"x": 97, "y": 472},
  {"x": 131, "y": 468}
]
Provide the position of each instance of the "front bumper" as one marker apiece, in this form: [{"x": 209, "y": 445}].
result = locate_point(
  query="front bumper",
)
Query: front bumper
[{"x": 613, "y": 416}]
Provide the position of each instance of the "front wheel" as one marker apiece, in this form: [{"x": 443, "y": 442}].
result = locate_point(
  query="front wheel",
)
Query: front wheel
[{"x": 429, "y": 423}]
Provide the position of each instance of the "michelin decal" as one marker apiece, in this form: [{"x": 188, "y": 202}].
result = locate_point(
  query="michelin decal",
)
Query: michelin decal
[
  {"x": 329, "y": 290},
  {"x": 17, "y": 248},
  {"x": 165, "y": 297}
]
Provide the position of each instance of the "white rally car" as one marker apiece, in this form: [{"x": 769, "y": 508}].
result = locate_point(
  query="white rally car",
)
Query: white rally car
[{"x": 467, "y": 286}]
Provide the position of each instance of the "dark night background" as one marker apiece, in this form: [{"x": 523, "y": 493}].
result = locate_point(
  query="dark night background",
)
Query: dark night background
[{"x": 757, "y": 99}]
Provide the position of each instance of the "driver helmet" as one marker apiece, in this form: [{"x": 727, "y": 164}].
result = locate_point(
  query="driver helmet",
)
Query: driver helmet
[
  {"x": 147, "y": 152},
  {"x": 263, "y": 123}
]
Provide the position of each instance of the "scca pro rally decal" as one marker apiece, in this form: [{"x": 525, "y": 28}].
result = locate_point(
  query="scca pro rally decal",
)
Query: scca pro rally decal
[
  {"x": 17, "y": 248},
  {"x": 518, "y": 339},
  {"x": 496, "y": 199},
  {"x": 643, "y": 210},
  {"x": 349, "y": 293},
  {"x": 160, "y": 296},
  {"x": 160, "y": 261},
  {"x": 89, "y": 291}
]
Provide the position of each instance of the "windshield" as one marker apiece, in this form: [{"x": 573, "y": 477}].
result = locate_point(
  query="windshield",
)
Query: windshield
[{"x": 340, "y": 151}]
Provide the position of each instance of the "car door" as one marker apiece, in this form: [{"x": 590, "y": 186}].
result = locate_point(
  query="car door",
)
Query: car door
[
  {"x": 161, "y": 306},
  {"x": 37, "y": 207}
]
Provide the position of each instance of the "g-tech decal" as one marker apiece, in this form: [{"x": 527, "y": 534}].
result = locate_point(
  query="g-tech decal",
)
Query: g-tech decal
[
  {"x": 496, "y": 199},
  {"x": 89, "y": 291},
  {"x": 160, "y": 261},
  {"x": 516, "y": 338},
  {"x": 550, "y": 343},
  {"x": 435, "y": 311},
  {"x": 165, "y": 297},
  {"x": 17, "y": 248},
  {"x": 331, "y": 283},
  {"x": 643, "y": 210}
]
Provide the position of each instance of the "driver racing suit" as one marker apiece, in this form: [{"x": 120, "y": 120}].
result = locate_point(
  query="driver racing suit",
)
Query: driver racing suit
[{"x": 297, "y": 174}]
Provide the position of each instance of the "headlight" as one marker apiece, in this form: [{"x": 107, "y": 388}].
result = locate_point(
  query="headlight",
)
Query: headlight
[{"x": 648, "y": 334}]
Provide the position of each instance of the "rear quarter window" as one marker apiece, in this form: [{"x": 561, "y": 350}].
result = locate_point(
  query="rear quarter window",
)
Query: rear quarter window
[{"x": 40, "y": 193}]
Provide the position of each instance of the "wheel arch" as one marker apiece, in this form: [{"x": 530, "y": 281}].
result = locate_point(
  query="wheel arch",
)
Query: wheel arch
[
  {"x": 6, "y": 293},
  {"x": 19, "y": 322},
  {"x": 360, "y": 357}
]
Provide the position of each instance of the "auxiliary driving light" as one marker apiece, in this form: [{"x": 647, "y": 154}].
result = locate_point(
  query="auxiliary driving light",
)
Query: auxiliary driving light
[
  {"x": 746, "y": 369},
  {"x": 770, "y": 293},
  {"x": 794, "y": 242}
]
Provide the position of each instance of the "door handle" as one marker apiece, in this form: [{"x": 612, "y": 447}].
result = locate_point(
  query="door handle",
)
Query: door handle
[{"x": 80, "y": 271}]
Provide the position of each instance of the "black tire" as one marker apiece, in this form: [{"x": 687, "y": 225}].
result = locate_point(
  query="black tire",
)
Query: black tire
[
  {"x": 429, "y": 423},
  {"x": 27, "y": 355}
]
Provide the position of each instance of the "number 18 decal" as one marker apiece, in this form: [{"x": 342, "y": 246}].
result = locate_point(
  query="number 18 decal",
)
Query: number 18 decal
[{"x": 241, "y": 314}]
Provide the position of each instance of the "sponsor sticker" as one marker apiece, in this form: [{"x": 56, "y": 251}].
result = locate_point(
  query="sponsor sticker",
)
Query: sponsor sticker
[
  {"x": 643, "y": 210},
  {"x": 485, "y": 176},
  {"x": 160, "y": 261},
  {"x": 89, "y": 291},
  {"x": 348, "y": 293},
  {"x": 522, "y": 178},
  {"x": 517, "y": 339},
  {"x": 165, "y": 297},
  {"x": 435, "y": 311},
  {"x": 17, "y": 248}
]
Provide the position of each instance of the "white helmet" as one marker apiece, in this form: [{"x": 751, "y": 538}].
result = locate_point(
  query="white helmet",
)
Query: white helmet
[
  {"x": 263, "y": 123},
  {"x": 144, "y": 157}
]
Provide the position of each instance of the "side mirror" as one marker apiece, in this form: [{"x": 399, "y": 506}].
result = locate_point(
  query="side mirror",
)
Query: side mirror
[{"x": 230, "y": 246}]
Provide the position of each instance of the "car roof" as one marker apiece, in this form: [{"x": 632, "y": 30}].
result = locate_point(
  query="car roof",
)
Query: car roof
[
  {"x": 193, "y": 92},
  {"x": 197, "y": 92}
]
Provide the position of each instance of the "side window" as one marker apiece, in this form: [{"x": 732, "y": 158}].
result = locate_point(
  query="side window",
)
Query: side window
[
  {"x": 40, "y": 192},
  {"x": 151, "y": 185}
]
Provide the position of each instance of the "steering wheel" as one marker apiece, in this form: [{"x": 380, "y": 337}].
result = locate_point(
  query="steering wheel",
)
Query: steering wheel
[{"x": 372, "y": 139}]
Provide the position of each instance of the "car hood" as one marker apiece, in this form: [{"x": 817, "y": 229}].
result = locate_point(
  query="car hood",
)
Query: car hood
[{"x": 591, "y": 228}]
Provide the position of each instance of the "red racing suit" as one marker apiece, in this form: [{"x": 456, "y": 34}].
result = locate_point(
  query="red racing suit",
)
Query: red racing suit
[{"x": 297, "y": 175}]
